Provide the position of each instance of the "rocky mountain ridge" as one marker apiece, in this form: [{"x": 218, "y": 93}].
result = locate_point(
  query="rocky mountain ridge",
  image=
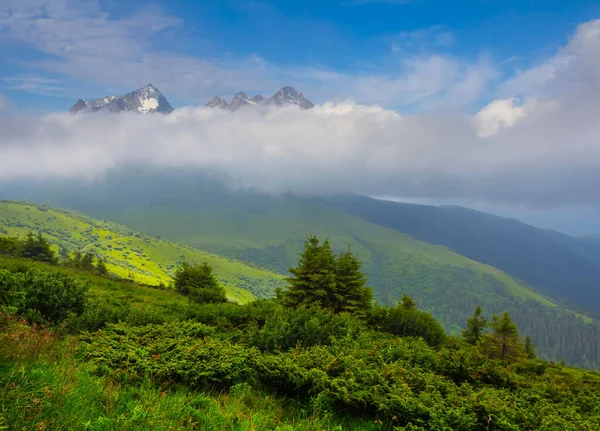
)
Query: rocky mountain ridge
[
  {"x": 145, "y": 100},
  {"x": 285, "y": 96},
  {"x": 149, "y": 100}
]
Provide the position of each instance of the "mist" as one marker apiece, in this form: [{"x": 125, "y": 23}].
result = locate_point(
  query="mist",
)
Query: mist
[{"x": 536, "y": 150}]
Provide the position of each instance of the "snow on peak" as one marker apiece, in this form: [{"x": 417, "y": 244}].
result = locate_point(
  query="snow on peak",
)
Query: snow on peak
[
  {"x": 285, "y": 96},
  {"x": 145, "y": 100}
]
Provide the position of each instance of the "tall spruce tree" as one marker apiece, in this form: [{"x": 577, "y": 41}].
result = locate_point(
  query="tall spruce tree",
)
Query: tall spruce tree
[
  {"x": 475, "y": 329},
  {"x": 313, "y": 281},
  {"x": 322, "y": 279},
  {"x": 350, "y": 293}
]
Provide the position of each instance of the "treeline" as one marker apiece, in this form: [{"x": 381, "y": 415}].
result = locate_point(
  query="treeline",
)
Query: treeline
[{"x": 37, "y": 248}]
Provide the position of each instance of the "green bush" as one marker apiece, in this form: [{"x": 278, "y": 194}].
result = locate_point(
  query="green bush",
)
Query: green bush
[
  {"x": 50, "y": 297},
  {"x": 285, "y": 329},
  {"x": 12, "y": 294},
  {"x": 409, "y": 322}
]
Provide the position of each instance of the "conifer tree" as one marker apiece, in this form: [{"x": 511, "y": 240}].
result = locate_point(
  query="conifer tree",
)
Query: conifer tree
[
  {"x": 476, "y": 325},
  {"x": 87, "y": 262},
  {"x": 503, "y": 341},
  {"x": 101, "y": 267},
  {"x": 407, "y": 303},
  {"x": 529, "y": 348},
  {"x": 199, "y": 283},
  {"x": 322, "y": 279},
  {"x": 314, "y": 279},
  {"x": 350, "y": 294},
  {"x": 36, "y": 248}
]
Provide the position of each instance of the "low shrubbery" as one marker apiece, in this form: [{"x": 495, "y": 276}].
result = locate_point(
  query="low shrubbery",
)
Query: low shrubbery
[
  {"x": 318, "y": 365},
  {"x": 402, "y": 382}
]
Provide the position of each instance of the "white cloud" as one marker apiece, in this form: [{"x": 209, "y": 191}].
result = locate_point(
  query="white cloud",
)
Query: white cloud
[
  {"x": 538, "y": 144},
  {"x": 86, "y": 44}
]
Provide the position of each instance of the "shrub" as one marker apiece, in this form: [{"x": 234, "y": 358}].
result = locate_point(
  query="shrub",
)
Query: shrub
[
  {"x": 408, "y": 322},
  {"x": 199, "y": 283},
  {"x": 51, "y": 296},
  {"x": 12, "y": 295}
]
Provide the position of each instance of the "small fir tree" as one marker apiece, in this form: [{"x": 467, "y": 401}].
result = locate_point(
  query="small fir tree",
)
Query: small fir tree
[
  {"x": 350, "y": 294},
  {"x": 475, "y": 329},
  {"x": 407, "y": 303},
  {"x": 199, "y": 283},
  {"x": 36, "y": 248},
  {"x": 87, "y": 262},
  {"x": 503, "y": 341},
  {"x": 529, "y": 348},
  {"x": 101, "y": 267}
]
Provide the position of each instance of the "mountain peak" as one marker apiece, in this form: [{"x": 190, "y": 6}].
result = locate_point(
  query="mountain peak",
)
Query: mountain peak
[
  {"x": 145, "y": 100},
  {"x": 287, "y": 95}
]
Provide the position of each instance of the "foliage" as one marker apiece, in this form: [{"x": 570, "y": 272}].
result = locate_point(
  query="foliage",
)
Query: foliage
[
  {"x": 12, "y": 294},
  {"x": 408, "y": 322},
  {"x": 503, "y": 342},
  {"x": 128, "y": 254},
  {"x": 199, "y": 283},
  {"x": 169, "y": 364},
  {"x": 321, "y": 280},
  {"x": 8, "y": 245},
  {"x": 365, "y": 377},
  {"x": 51, "y": 296},
  {"x": 475, "y": 327}
]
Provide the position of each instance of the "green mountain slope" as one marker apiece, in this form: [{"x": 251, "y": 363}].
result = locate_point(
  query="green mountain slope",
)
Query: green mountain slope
[
  {"x": 562, "y": 267},
  {"x": 269, "y": 231},
  {"x": 130, "y": 254},
  {"x": 272, "y": 236}
]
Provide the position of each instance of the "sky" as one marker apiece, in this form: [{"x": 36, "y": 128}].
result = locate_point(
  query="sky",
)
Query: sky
[{"x": 483, "y": 103}]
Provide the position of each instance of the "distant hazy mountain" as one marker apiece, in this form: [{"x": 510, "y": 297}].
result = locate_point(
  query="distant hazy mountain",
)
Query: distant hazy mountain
[
  {"x": 285, "y": 96},
  {"x": 557, "y": 265},
  {"x": 145, "y": 100}
]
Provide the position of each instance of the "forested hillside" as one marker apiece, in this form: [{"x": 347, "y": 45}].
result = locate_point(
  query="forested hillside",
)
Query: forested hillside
[{"x": 560, "y": 266}]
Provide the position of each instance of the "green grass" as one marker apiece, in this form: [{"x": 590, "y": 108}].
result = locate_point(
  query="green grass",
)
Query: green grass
[
  {"x": 129, "y": 254},
  {"x": 107, "y": 288},
  {"x": 44, "y": 385}
]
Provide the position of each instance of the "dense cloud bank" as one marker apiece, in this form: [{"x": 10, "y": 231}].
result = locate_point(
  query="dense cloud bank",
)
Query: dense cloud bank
[{"x": 539, "y": 149}]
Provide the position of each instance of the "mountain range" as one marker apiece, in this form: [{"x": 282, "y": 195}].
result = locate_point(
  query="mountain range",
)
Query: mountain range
[
  {"x": 149, "y": 100},
  {"x": 284, "y": 96}
]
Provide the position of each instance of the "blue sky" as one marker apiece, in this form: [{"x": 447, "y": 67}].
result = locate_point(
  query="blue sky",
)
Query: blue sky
[
  {"x": 54, "y": 51},
  {"x": 488, "y": 104}
]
